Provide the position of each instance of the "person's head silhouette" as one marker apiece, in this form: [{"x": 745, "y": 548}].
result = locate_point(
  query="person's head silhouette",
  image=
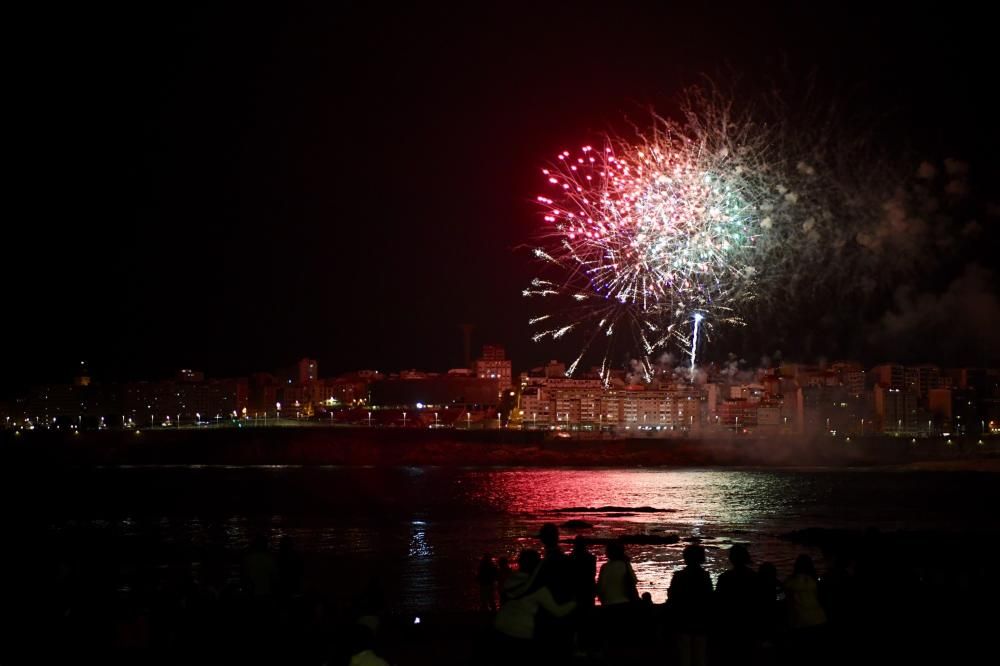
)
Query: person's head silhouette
[
  {"x": 739, "y": 555},
  {"x": 694, "y": 555},
  {"x": 549, "y": 536}
]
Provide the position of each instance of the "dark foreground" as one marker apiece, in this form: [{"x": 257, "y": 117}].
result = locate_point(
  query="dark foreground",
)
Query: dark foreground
[
  {"x": 156, "y": 564},
  {"x": 880, "y": 607}
]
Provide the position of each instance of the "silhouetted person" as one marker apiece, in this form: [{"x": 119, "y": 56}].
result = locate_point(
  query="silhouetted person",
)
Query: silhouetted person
[
  {"x": 487, "y": 577},
  {"x": 616, "y": 588},
  {"x": 584, "y": 567},
  {"x": 837, "y": 590},
  {"x": 503, "y": 573},
  {"x": 646, "y": 618},
  {"x": 259, "y": 571},
  {"x": 616, "y": 584},
  {"x": 516, "y": 621},
  {"x": 804, "y": 615},
  {"x": 772, "y": 604},
  {"x": 290, "y": 569},
  {"x": 690, "y": 599},
  {"x": 555, "y": 573},
  {"x": 837, "y": 596},
  {"x": 556, "y": 570},
  {"x": 738, "y": 603}
]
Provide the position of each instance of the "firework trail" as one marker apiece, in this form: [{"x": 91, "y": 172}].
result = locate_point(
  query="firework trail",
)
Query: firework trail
[{"x": 694, "y": 342}]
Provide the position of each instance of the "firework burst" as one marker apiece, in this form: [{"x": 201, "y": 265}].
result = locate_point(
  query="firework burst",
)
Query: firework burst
[
  {"x": 772, "y": 210},
  {"x": 648, "y": 238}
]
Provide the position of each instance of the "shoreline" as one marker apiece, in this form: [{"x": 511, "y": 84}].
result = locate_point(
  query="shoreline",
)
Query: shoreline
[{"x": 313, "y": 446}]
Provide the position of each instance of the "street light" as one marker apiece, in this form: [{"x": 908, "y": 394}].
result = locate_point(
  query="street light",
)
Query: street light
[
  {"x": 468, "y": 421},
  {"x": 404, "y": 419},
  {"x": 499, "y": 424},
  {"x": 369, "y": 418}
]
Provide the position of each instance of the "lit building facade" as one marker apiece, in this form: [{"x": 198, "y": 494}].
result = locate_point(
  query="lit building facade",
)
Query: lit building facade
[
  {"x": 586, "y": 404},
  {"x": 493, "y": 364}
]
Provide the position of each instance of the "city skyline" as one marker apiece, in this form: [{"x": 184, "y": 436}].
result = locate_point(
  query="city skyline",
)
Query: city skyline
[{"x": 784, "y": 399}]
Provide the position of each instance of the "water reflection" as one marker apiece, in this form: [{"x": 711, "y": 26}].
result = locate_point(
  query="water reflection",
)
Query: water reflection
[
  {"x": 422, "y": 530},
  {"x": 418, "y": 540},
  {"x": 713, "y": 507}
]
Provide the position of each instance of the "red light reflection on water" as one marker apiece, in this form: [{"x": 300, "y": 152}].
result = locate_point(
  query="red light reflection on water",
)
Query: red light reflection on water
[{"x": 715, "y": 508}]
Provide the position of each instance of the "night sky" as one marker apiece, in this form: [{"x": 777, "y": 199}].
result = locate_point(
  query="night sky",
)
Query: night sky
[{"x": 232, "y": 188}]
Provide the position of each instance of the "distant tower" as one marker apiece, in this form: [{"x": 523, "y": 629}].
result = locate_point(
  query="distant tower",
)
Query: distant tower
[
  {"x": 82, "y": 377},
  {"x": 494, "y": 365},
  {"x": 308, "y": 370},
  {"x": 467, "y": 344}
]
